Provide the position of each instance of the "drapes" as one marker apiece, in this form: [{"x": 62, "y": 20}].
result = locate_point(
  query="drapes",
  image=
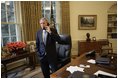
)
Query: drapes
[
  {"x": 31, "y": 13},
  {"x": 65, "y": 29}
]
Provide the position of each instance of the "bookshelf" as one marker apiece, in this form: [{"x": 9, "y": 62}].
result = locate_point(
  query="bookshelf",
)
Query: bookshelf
[{"x": 112, "y": 26}]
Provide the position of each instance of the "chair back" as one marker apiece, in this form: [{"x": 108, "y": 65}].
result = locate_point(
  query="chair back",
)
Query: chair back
[{"x": 63, "y": 49}]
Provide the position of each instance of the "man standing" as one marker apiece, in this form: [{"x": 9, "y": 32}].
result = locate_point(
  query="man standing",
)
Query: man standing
[{"x": 46, "y": 39}]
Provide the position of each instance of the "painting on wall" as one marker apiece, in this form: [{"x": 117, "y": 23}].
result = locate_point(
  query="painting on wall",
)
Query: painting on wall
[{"x": 87, "y": 22}]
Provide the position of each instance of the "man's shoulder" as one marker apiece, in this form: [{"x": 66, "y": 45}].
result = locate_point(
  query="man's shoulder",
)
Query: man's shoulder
[
  {"x": 53, "y": 30},
  {"x": 39, "y": 30}
]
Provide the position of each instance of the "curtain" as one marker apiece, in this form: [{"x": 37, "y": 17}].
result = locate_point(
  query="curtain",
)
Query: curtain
[
  {"x": 31, "y": 13},
  {"x": 65, "y": 29}
]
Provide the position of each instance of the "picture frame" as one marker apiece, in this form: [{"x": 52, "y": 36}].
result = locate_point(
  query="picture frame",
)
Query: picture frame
[{"x": 87, "y": 22}]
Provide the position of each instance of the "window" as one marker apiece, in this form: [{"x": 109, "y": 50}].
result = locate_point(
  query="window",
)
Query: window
[
  {"x": 49, "y": 11},
  {"x": 9, "y": 25},
  {"x": 46, "y": 10}
]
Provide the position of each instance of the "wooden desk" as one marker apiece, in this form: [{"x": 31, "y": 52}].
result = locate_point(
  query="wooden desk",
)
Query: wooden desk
[
  {"x": 84, "y": 46},
  {"x": 62, "y": 73},
  {"x": 31, "y": 57}
]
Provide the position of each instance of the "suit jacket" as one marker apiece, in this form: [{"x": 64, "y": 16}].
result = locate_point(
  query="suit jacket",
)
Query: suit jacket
[{"x": 50, "y": 47}]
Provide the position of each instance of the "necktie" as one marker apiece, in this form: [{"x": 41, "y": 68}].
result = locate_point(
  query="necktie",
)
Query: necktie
[{"x": 44, "y": 36}]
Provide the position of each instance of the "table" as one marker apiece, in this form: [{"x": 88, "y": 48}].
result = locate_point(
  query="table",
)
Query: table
[
  {"x": 82, "y": 59},
  {"x": 30, "y": 55},
  {"x": 86, "y": 46}
]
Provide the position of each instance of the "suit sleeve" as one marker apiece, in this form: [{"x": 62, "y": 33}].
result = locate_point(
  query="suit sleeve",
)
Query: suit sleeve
[{"x": 54, "y": 35}]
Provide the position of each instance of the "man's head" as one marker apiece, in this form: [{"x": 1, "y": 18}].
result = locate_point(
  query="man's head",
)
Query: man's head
[{"x": 43, "y": 23}]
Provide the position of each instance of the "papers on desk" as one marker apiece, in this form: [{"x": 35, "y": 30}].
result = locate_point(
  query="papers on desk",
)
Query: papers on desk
[
  {"x": 92, "y": 61},
  {"x": 104, "y": 73},
  {"x": 84, "y": 66},
  {"x": 72, "y": 69}
]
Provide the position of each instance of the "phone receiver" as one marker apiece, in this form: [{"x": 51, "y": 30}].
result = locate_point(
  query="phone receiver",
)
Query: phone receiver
[{"x": 48, "y": 24}]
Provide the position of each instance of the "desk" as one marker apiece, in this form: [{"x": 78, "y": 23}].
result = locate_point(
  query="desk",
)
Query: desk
[
  {"x": 31, "y": 57},
  {"x": 84, "y": 46},
  {"x": 62, "y": 73}
]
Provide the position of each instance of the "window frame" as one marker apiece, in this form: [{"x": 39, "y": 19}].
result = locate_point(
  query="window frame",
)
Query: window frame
[{"x": 17, "y": 22}]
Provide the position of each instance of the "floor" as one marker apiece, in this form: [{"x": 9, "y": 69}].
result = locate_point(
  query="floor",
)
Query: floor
[{"x": 25, "y": 72}]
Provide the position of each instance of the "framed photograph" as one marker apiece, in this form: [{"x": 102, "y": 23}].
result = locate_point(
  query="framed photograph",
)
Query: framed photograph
[{"x": 87, "y": 22}]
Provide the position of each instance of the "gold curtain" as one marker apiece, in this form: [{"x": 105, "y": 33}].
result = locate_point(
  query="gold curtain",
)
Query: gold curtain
[
  {"x": 65, "y": 17},
  {"x": 31, "y": 13}
]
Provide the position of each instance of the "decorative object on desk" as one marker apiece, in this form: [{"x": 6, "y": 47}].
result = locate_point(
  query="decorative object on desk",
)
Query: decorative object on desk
[
  {"x": 88, "y": 37},
  {"x": 94, "y": 38},
  {"x": 16, "y": 47},
  {"x": 87, "y": 22}
]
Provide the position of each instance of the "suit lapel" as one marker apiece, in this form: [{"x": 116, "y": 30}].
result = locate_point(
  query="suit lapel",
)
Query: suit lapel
[{"x": 41, "y": 36}]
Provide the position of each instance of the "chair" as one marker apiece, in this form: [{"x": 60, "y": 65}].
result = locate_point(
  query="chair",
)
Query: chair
[
  {"x": 107, "y": 46},
  {"x": 64, "y": 50}
]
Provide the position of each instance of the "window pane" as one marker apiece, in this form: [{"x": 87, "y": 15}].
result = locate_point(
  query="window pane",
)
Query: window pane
[
  {"x": 3, "y": 5},
  {"x": 47, "y": 14},
  {"x": 5, "y": 40},
  {"x": 13, "y": 39},
  {"x": 12, "y": 29},
  {"x": 8, "y": 30},
  {"x": 3, "y": 16},
  {"x": 47, "y": 3},
  {"x": 10, "y": 16},
  {"x": 10, "y": 6},
  {"x": 10, "y": 11},
  {"x": 5, "y": 30}
]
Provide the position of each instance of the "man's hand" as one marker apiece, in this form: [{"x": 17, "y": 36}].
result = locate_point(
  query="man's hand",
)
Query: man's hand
[{"x": 48, "y": 29}]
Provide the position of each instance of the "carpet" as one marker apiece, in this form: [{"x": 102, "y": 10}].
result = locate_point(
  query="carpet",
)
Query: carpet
[{"x": 25, "y": 72}]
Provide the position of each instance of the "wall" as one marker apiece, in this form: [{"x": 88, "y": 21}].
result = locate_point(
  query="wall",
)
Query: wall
[{"x": 98, "y": 8}]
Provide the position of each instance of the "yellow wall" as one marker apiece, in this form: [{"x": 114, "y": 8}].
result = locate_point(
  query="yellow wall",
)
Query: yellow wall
[{"x": 98, "y": 8}]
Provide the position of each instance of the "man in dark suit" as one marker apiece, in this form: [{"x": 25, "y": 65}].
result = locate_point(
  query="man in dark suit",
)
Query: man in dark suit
[{"x": 46, "y": 39}]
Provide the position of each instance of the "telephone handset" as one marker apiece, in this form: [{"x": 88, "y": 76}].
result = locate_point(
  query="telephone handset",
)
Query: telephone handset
[{"x": 47, "y": 25}]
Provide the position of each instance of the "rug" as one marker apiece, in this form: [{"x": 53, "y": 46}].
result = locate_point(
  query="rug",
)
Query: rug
[{"x": 25, "y": 72}]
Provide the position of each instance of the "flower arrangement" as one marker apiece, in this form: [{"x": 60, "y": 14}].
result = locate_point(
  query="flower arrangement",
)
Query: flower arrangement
[{"x": 12, "y": 46}]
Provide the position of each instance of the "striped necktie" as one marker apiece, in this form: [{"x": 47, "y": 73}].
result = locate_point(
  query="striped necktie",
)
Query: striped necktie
[{"x": 44, "y": 36}]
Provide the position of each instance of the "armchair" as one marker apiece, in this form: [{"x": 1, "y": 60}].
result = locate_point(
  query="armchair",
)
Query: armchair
[
  {"x": 107, "y": 46},
  {"x": 64, "y": 50}
]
